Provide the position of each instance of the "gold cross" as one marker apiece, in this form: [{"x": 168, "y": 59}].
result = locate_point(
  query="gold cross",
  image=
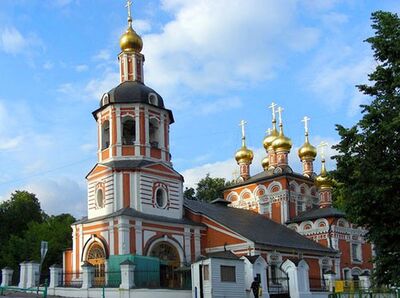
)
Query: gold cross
[
  {"x": 272, "y": 107},
  {"x": 305, "y": 120},
  {"x": 128, "y": 5},
  {"x": 322, "y": 147},
  {"x": 280, "y": 110},
  {"x": 269, "y": 130},
  {"x": 242, "y": 124}
]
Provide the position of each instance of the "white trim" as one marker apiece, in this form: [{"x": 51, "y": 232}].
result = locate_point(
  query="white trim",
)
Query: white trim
[{"x": 173, "y": 243}]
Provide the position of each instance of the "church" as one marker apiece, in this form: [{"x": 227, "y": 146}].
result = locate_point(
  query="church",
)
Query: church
[{"x": 137, "y": 214}]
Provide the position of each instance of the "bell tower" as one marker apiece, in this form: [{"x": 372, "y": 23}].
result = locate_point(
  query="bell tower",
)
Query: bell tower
[{"x": 134, "y": 168}]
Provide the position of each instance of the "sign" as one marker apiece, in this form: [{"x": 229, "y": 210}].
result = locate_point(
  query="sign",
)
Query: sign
[
  {"x": 339, "y": 286},
  {"x": 44, "y": 246}
]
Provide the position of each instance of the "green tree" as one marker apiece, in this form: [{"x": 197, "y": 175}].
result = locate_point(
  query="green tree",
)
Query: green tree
[
  {"x": 368, "y": 160},
  {"x": 189, "y": 193},
  {"x": 17, "y": 212},
  {"x": 209, "y": 188},
  {"x": 56, "y": 230}
]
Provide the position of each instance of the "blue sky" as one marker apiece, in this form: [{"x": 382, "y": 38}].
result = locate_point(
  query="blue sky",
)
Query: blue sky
[{"x": 215, "y": 62}]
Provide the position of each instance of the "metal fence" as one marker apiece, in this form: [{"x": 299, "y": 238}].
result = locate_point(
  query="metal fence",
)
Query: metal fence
[{"x": 71, "y": 280}]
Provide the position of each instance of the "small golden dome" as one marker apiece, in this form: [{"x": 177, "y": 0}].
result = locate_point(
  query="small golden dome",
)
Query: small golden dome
[
  {"x": 282, "y": 143},
  {"x": 307, "y": 151},
  {"x": 322, "y": 180},
  {"x": 131, "y": 41},
  {"x": 265, "y": 163},
  {"x": 244, "y": 155},
  {"x": 267, "y": 142}
]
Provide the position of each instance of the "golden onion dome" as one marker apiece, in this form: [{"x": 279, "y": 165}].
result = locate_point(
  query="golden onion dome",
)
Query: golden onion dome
[
  {"x": 244, "y": 155},
  {"x": 131, "y": 41},
  {"x": 265, "y": 163},
  {"x": 267, "y": 142},
  {"x": 322, "y": 180},
  {"x": 307, "y": 151},
  {"x": 282, "y": 143}
]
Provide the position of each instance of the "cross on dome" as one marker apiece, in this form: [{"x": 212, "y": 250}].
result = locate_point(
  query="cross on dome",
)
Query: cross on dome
[
  {"x": 242, "y": 124},
  {"x": 128, "y": 5},
  {"x": 272, "y": 107},
  {"x": 305, "y": 120},
  {"x": 321, "y": 148},
  {"x": 280, "y": 110}
]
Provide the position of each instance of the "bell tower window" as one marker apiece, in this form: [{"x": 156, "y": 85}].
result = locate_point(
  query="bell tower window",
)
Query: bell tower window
[
  {"x": 161, "y": 198},
  {"x": 105, "y": 135},
  {"x": 154, "y": 132},
  {"x": 99, "y": 198},
  {"x": 128, "y": 131}
]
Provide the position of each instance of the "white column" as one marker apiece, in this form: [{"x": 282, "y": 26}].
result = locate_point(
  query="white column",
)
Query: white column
[
  {"x": 187, "y": 245},
  {"x": 22, "y": 275},
  {"x": 197, "y": 243},
  {"x": 139, "y": 237},
  {"x": 6, "y": 275},
  {"x": 74, "y": 248},
  {"x": 330, "y": 280},
  {"x": 111, "y": 235},
  {"x": 123, "y": 236},
  {"x": 147, "y": 132},
  {"x": 127, "y": 275},
  {"x": 87, "y": 276},
  {"x": 55, "y": 276},
  {"x": 299, "y": 282},
  {"x": 365, "y": 281},
  {"x": 32, "y": 274},
  {"x": 137, "y": 131},
  {"x": 119, "y": 128}
]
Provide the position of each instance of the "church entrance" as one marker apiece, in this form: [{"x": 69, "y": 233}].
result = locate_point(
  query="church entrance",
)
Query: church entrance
[
  {"x": 170, "y": 262},
  {"x": 96, "y": 256}
]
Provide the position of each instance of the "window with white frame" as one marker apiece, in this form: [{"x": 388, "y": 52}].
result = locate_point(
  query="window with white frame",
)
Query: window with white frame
[
  {"x": 154, "y": 132},
  {"x": 299, "y": 205},
  {"x": 356, "y": 252},
  {"x": 105, "y": 135},
  {"x": 128, "y": 131}
]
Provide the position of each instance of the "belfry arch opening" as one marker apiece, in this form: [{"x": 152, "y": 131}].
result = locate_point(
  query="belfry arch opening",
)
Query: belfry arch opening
[
  {"x": 128, "y": 131},
  {"x": 105, "y": 135},
  {"x": 154, "y": 133}
]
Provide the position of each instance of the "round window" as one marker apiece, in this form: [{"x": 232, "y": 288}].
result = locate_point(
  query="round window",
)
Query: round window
[
  {"x": 161, "y": 198},
  {"x": 99, "y": 198}
]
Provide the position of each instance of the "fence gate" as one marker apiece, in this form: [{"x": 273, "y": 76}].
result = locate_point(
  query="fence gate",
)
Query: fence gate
[{"x": 278, "y": 283}]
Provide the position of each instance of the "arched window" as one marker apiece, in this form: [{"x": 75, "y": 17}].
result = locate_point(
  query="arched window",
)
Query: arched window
[
  {"x": 96, "y": 256},
  {"x": 154, "y": 132},
  {"x": 105, "y": 135},
  {"x": 128, "y": 131}
]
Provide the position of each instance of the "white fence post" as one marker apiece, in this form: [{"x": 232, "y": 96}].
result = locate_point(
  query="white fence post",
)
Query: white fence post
[
  {"x": 32, "y": 274},
  {"x": 55, "y": 276},
  {"x": 7, "y": 274},
  {"x": 127, "y": 275},
  {"x": 22, "y": 275},
  {"x": 87, "y": 275}
]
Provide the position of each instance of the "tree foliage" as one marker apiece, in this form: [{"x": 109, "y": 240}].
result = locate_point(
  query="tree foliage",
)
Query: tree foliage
[
  {"x": 368, "y": 160},
  {"x": 208, "y": 189},
  {"x": 24, "y": 225}
]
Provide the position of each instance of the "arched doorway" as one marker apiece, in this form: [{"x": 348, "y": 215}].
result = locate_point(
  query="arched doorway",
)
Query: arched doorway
[
  {"x": 96, "y": 256},
  {"x": 170, "y": 262}
]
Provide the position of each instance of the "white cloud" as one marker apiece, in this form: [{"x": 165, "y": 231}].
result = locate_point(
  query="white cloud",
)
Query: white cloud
[
  {"x": 95, "y": 88},
  {"x": 81, "y": 67},
  {"x": 213, "y": 45},
  {"x": 103, "y": 55},
  {"x": 11, "y": 143},
  {"x": 219, "y": 105},
  {"x": 142, "y": 26},
  {"x": 66, "y": 88},
  {"x": 61, "y": 195},
  {"x": 48, "y": 65},
  {"x": 11, "y": 40}
]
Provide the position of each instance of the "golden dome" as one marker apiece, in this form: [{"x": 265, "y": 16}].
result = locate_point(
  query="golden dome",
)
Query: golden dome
[
  {"x": 244, "y": 155},
  {"x": 282, "y": 143},
  {"x": 307, "y": 151},
  {"x": 267, "y": 142},
  {"x": 131, "y": 41},
  {"x": 322, "y": 180},
  {"x": 265, "y": 163}
]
